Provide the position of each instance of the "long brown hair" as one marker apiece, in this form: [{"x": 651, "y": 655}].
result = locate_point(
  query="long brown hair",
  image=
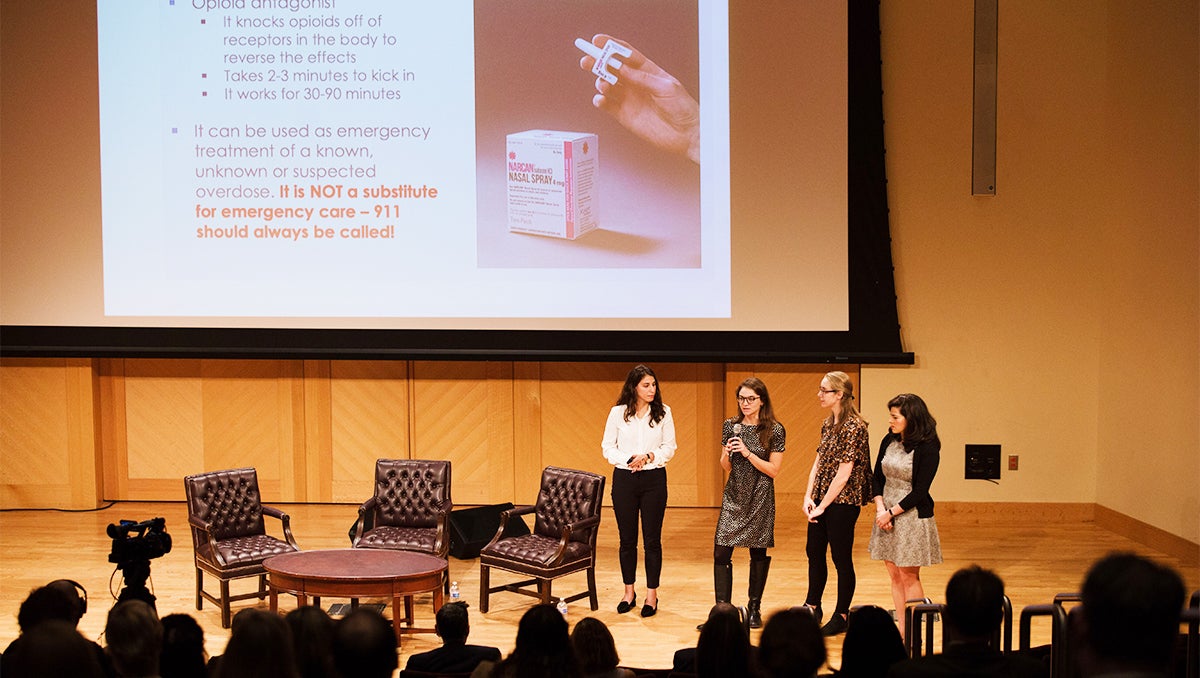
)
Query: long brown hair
[
  {"x": 629, "y": 397},
  {"x": 766, "y": 414}
]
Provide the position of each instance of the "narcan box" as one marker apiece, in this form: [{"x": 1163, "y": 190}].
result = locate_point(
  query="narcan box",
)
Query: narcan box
[{"x": 552, "y": 182}]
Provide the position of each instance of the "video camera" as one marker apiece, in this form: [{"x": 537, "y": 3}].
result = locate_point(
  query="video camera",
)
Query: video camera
[{"x": 138, "y": 541}]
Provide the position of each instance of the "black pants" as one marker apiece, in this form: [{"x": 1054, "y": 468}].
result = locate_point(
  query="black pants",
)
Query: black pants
[
  {"x": 644, "y": 493},
  {"x": 834, "y": 529}
]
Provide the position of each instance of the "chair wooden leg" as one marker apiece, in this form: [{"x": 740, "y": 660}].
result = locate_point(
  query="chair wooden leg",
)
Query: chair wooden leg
[
  {"x": 199, "y": 589},
  {"x": 484, "y": 583},
  {"x": 544, "y": 586},
  {"x": 225, "y": 614},
  {"x": 591, "y": 577},
  {"x": 262, "y": 586}
]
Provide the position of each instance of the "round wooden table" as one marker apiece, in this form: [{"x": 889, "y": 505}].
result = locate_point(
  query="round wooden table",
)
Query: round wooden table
[{"x": 359, "y": 573}]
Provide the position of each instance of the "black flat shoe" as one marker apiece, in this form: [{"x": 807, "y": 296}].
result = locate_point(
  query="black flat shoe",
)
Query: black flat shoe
[
  {"x": 648, "y": 611},
  {"x": 836, "y": 624},
  {"x": 625, "y": 606}
]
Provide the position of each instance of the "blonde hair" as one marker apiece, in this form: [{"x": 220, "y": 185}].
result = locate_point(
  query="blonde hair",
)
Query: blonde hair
[{"x": 840, "y": 382}]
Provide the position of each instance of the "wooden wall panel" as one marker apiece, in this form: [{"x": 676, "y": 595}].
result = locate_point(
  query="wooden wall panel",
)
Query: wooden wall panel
[
  {"x": 370, "y": 420},
  {"x": 48, "y": 434},
  {"x": 313, "y": 429},
  {"x": 575, "y": 402},
  {"x": 163, "y": 432},
  {"x": 254, "y": 416},
  {"x": 460, "y": 412}
]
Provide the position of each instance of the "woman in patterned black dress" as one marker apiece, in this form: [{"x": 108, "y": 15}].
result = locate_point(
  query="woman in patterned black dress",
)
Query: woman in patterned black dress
[
  {"x": 752, "y": 445},
  {"x": 838, "y": 487}
]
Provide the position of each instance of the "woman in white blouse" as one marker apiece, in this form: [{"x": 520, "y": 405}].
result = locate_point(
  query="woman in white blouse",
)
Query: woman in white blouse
[{"x": 639, "y": 440}]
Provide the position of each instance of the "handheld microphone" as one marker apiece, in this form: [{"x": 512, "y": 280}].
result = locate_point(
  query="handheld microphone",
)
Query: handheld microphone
[{"x": 737, "y": 430}]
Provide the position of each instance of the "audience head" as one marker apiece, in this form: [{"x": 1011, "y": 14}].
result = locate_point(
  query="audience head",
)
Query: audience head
[
  {"x": 75, "y": 592},
  {"x": 1130, "y": 614},
  {"x": 872, "y": 643},
  {"x": 791, "y": 645},
  {"x": 364, "y": 645},
  {"x": 52, "y": 648},
  {"x": 260, "y": 646},
  {"x": 974, "y": 602},
  {"x": 594, "y": 646},
  {"x": 724, "y": 646},
  {"x": 543, "y": 647},
  {"x": 452, "y": 624},
  {"x": 312, "y": 638},
  {"x": 183, "y": 654},
  {"x": 47, "y": 603},
  {"x": 134, "y": 636}
]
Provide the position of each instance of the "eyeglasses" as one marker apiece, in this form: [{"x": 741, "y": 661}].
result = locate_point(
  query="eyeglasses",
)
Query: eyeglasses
[
  {"x": 825, "y": 391},
  {"x": 747, "y": 399}
]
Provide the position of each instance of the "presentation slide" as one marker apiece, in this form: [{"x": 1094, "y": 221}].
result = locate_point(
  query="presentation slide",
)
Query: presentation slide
[
  {"x": 677, "y": 166},
  {"x": 372, "y": 158}
]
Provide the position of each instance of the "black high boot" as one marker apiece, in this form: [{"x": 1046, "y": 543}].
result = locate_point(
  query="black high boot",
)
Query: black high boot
[
  {"x": 758, "y": 582},
  {"x": 722, "y": 584}
]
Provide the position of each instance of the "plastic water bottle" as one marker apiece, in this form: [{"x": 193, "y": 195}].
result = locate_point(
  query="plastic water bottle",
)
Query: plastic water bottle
[
  {"x": 455, "y": 596},
  {"x": 562, "y": 607}
]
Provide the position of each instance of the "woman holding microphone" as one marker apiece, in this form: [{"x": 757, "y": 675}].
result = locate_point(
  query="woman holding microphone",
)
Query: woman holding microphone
[
  {"x": 639, "y": 440},
  {"x": 752, "y": 446}
]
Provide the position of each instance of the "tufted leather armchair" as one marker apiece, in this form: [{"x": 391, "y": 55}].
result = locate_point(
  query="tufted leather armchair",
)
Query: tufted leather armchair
[
  {"x": 563, "y": 540},
  {"x": 229, "y": 536},
  {"x": 410, "y": 510}
]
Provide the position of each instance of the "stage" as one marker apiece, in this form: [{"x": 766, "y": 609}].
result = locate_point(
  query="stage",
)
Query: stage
[{"x": 1037, "y": 553}]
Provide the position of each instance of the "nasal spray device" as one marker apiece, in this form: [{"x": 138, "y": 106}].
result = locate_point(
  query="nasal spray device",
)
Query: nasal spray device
[{"x": 605, "y": 59}]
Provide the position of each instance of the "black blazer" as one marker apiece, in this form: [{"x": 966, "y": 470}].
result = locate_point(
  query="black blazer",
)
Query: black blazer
[
  {"x": 926, "y": 457},
  {"x": 453, "y": 658}
]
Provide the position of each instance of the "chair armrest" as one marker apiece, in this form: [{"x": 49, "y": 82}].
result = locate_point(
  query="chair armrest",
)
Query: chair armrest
[
  {"x": 360, "y": 526},
  {"x": 580, "y": 525},
  {"x": 567, "y": 530},
  {"x": 203, "y": 530},
  {"x": 504, "y": 516},
  {"x": 441, "y": 545},
  {"x": 287, "y": 523}
]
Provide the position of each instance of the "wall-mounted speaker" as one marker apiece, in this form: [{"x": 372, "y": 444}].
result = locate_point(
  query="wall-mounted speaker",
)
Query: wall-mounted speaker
[{"x": 983, "y": 120}]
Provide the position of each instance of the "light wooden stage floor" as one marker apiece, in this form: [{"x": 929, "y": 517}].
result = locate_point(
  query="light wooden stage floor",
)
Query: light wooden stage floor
[{"x": 1037, "y": 559}]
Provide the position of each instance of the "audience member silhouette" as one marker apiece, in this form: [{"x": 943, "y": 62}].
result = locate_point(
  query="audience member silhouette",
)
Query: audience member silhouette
[
  {"x": 364, "y": 645},
  {"x": 684, "y": 660},
  {"x": 51, "y": 648},
  {"x": 791, "y": 645},
  {"x": 1128, "y": 621},
  {"x": 133, "y": 637},
  {"x": 596, "y": 650},
  {"x": 183, "y": 654},
  {"x": 60, "y": 600},
  {"x": 543, "y": 649},
  {"x": 724, "y": 648},
  {"x": 260, "y": 646},
  {"x": 312, "y": 639},
  {"x": 455, "y": 655},
  {"x": 974, "y": 610},
  {"x": 872, "y": 644}
]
